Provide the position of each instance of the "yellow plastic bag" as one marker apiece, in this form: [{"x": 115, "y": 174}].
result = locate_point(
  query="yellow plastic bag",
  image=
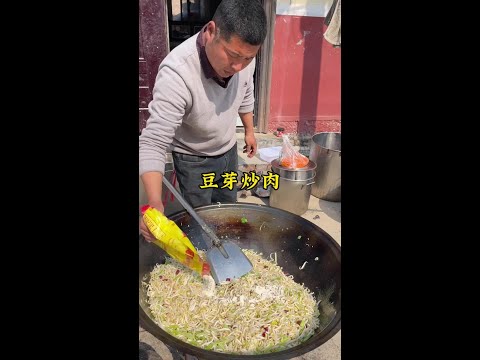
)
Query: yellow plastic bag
[{"x": 173, "y": 240}]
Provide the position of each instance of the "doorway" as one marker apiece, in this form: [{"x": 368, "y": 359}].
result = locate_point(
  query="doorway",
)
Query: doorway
[{"x": 187, "y": 17}]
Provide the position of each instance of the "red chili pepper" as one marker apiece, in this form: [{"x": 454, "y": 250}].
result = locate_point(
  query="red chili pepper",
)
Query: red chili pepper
[{"x": 176, "y": 272}]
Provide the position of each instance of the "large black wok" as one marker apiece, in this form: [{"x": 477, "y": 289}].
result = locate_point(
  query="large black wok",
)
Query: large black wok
[{"x": 267, "y": 230}]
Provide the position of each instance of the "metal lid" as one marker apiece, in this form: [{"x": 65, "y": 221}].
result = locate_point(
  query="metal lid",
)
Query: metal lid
[{"x": 305, "y": 173}]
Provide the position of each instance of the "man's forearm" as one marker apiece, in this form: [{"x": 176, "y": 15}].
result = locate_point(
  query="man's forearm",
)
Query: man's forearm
[
  {"x": 247, "y": 121},
  {"x": 152, "y": 182}
]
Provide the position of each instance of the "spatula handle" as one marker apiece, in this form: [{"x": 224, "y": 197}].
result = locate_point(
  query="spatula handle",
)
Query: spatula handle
[{"x": 216, "y": 241}]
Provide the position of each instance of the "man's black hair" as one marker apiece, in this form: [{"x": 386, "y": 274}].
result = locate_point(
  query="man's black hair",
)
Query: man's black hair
[{"x": 243, "y": 18}]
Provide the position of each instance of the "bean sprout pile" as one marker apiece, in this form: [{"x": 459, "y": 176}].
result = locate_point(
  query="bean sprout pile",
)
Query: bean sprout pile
[{"x": 264, "y": 311}]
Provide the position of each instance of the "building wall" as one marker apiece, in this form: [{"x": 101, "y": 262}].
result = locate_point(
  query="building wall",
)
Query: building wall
[{"x": 305, "y": 93}]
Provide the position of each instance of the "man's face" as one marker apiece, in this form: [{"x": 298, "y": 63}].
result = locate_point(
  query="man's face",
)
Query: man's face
[{"x": 227, "y": 57}]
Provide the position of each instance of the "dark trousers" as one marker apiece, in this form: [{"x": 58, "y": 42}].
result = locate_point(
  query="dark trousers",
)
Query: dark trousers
[{"x": 189, "y": 170}]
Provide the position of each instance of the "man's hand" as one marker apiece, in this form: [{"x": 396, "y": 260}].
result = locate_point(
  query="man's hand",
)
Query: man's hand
[
  {"x": 143, "y": 228},
  {"x": 250, "y": 145},
  {"x": 152, "y": 183}
]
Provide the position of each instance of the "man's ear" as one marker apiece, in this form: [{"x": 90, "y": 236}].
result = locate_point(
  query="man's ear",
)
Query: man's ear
[{"x": 211, "y": 29}]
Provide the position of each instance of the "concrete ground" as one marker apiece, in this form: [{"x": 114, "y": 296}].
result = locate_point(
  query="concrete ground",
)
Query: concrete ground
[{"x": 325, "y": 214}]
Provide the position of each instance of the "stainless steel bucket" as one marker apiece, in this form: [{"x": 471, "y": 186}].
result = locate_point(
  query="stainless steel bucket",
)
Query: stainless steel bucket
[
  {"x": 294, "y": 188},
  {"x": 325, "y": 151}
]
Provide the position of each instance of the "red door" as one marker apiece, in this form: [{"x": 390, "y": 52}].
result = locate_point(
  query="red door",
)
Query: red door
[{"x": 153, "y": 47}]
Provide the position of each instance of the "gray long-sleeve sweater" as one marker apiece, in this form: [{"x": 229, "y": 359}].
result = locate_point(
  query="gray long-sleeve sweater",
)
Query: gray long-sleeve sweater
[{"x": 194, "y": 114}]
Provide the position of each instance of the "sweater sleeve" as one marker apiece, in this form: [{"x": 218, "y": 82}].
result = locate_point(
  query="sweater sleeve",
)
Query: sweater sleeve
[
  {"x": 171, "y": 99},
  {"x": 249, "y": 99}
]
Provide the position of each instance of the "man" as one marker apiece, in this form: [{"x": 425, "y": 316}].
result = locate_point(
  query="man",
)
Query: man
[{"x": 200, "y": 88}]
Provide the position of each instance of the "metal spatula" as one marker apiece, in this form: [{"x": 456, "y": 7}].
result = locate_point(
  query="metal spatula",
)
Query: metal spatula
[{"x": 227, "y": 261}]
